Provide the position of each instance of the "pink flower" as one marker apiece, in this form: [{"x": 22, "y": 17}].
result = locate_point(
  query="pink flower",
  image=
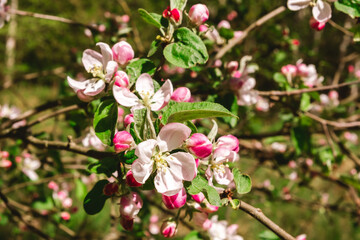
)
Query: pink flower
[
  {"x": 168, "y": 229},
  {"x": 199, "y": 14},
  {"x": 229, "y": 142},
  {"x": 321, "y": 11},
  {"x": 199, "y": 145},
  {"x": 130, "y": 205},
  {"x": 65, "y": 216},
  {"x": 171, "y": 169},
  {"x": 121, "y": 79},
  {"x": 224, "y": 24},
  {"x": 289, "y": 70},
  {"x": 5, "y": 154},
  {"x": 130, "y": 180},
  {"x": 30, "y": 164},
  {"x": 122, "y": 52},
  {"x": 129, "y": 119},
  {"x": 145, "y": 88},
  {"x": 67, "y": 203},
  {"x": 101, "y": 66},
  {"x": 5, "y": 163},
  {"x": 232, "y": 66},
  {"x": 53, "y": 186},
  {"x": 203, "y": 28},
  {"x": 181, "y": 94},
  {"x": 123, "y": 141},
  {"x": 175, "y": 201},
  {"x": 233, "y": 14},
  {"x": 174, "y": 14},
  {"x": 314, "y": 24},
  {"x": 199, "y": 198},
  {"x": 309, "y": 74},
  {"x": 301, "y": 237}
]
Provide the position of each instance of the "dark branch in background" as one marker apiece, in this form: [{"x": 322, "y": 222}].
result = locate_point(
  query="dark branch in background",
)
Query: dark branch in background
[
  {"x": 260, "y": 216},
  {"x": 259, "y": 22},
  {"x": 339, "y": 125}
]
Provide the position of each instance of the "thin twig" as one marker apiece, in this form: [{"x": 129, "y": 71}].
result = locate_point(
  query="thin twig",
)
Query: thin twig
[
  {"x": 260, "y": 216},
  {"x": 333, "y": 123},
  {"x": 342, "y": 29},
  {"x": 257, "y": 23},
  {"x": 50, "y": 17},
  {"x": 306, "y": 90},
  {"x": 345, "y": 150}
]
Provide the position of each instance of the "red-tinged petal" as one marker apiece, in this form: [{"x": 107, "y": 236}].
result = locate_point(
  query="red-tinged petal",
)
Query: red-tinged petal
[{"x": 162, "y": 96}]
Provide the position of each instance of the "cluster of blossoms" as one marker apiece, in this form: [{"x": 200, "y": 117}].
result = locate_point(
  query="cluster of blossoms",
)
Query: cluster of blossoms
[
  {"x": 61, "y": 196},
  {"x": 4, "y": 159},
  {"x": 307, "y": 73}
]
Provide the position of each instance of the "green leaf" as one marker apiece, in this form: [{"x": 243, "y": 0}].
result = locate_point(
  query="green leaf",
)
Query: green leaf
[
  {"x": 305, "y": 102},
  {"x": 3, "y": 219},
  {"x": 105, "y": 120},
  {"x": 95, "y": 199},
  {"x": 138, "y": 67},
  {"x": 47, "y": 205},
  {"x": 242, "y": 182},
  {"x": 280, "y": 79},
  {"x": 235, "y": 203},
  {"x": 80, "y": 189},
  {"x": 199, "y": 184},
  {"x": 179, "y": 4},
  {"x": 301, "y": 137},
  {"x": 155, "y": 45},
  {"x": 350, "y": 7},
  {"x": 106, "y": 166},
  {"x": 187, "y": 50},
  {"x": 128, "y": 157},
  {"x": 194, "y": 235},
  {"x": 181, "y": 112},
  {"x": 268, "y": 235},
  {"x": 152, "y": 18},
  {"x": 351, "y": 181},
  {"x": 226, "y": 33},
  {"x": 139, "y": 118}
]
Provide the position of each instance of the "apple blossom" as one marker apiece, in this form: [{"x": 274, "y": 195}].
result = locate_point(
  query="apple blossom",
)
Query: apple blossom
[
  {"x": 171, "y": 169},
  {"x": 262, "y": 104},
  {"x": 321, "y": 10},
  {"x": 121, "y": 79},
  {"x": 201, "y": 220},
  {"x": 65, "y": 216},
  {"x": 229, "y": 142},
  {"x": 289, "y": 70},
  {"x": 224, "y": 24},
  {"x": 67, "y": 203},
  {"x": 130, "y": 180},
  {"x": 181, "y": 94},
  {"x": 199, "y": 145},
  {"x": 351, "y": 137},
  {"x": 9, "y": 112},
  {"x": 175, "y": 201},
  {"x": 316, "y": 24},
  {"x": 53, "y": 186},
  {"x": 174, "y": 14},
  {"x": 123, "y": 141},
  {"x": 301, "y": 237},
  {"x": 233, "y": 14},
  {"x": 130, "y": 205},
  {"x": 145, "y": 87},
  {"x": 278, "y": 147},
  {"x": 221, "y": 231},
  {"x": 308, "y": 73},
  {"x": 198, "y": 14},
  {"x": 101, "y": 66},
  {"x": 168, "y": 229},
  {"x": 129, "y": 119},
  {"x": 122, "y": 52},
  {"x": 232, "y": 66},
  {"x": 5, "y": 163},
  {"x": 30, "y": 164}
]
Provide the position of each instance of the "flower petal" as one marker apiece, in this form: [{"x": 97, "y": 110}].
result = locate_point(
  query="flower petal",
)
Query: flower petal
[
  {"x": 223, "y": 177},
  {"x": 322, "y": 11},
  {"x": 296, "y": 5},
  {"x": 141, "y": 171},
  {"x": 182, "y": 165},
  {"x": 76, "y": 85},
  {"x": 111, "y": 68},
  {"x": 162, "y": 96},
  {"x": 91, "y": 59},
  {"x": 144, "y": 150},
  {"x": 248, "y": 84},
  {"x": 173, "y": 134},
  {"x": 94, "y": 86},
  {"x": 145, "y": 85},
  {"x": 124, "y": 97},
  {"x": 106, "y": 53},
  {"x": 167, "y": 183}
]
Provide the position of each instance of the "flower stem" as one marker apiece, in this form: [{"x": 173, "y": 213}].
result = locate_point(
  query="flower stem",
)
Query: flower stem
[{"x": 150, "y": 123}]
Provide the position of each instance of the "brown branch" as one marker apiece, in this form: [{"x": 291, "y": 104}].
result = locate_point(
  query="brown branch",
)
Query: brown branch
[
  {"x": 50, "y": 17},
  {"x": 305, "y": 90},
  {"x": 333, "y": 123},
  {"x": 345, "y": 150},
  {"x": 342, "y": 29},
  {"x": 257, "y": 23},
  {"x": 260, "y": 216},
  {"x": 18, "y": 215}
]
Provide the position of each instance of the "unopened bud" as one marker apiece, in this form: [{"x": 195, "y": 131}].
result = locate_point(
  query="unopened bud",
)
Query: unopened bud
[
  {"x": 181, "y": 94},
  {"x": 122, "y": 141},
  {"x": 123, "y": 52},
  {"x": 121, "y": 79},
  {"x": 199, "y": 145},
  {"x": 130, "y": 205},
  {"x": 198, "y": 14},
  {"x": 176, "y": 201},
  {"x": 168, "y": 229}
]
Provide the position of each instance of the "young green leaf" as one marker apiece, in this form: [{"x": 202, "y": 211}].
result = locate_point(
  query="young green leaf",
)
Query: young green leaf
[
  {"x": 350, "y": 7},
  {"x": 95, "y": 199},
  {"x": 155, "y": 45},
  {"x": 181, "y": 112},
  {"x": 187, "y": 50},
  {"x": 199, "y": 184},
  {"x": 179, "y": 4},
  {"x": 242, "y": 182},
  {"x": 105, "y": 120},
  {"x": 139, "y": 66},
  {"x": 106, "y": 166},
  {"x": 152, "y": 18}
]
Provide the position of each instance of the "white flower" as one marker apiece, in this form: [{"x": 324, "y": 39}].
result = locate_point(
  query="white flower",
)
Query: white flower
[
  {"x": 101, "y": 66},
  {"x": 221, "y": 231},
  {"x": 91, "y": 140},
  {"x": 171, "y": 169},
  {"x": 4, "y": 16},
  {"x": 321, "y": 11},
  {"x": 30, "y": 164},
  {"x": 145, "y": 88}
]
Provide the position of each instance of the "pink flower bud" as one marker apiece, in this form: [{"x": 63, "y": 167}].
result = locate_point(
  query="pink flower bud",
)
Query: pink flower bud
[
  {"x": 292, "y": 164},
  {"x": 229, "y": 142},
  {"x": 102, "y": 28},
  {"x": 316, "y": 25},
  {"x": 122, "y": 141},
  {"x": 198, "y": 197},
  {"x": 309, "y": 162},
  {"x": 295, "y": 42},
  {"x": 181, "y": 94},
  {"x": 224, "y": 24},
  {"x": 351, "y": 68},
  {"x": 130, "y": 205},
  {"x": 175, "y": 201},
  {"x": 333, "y": 95},
  {"x": 5, "y": 154},
  {"x": 168, "y": 229},
  {"x": 110, "y": 189},
  {"x": 121, "y": 79},
  {"x": 130, "y": 180},
  {"x": 62, "y": 195},
  {"x": 208, "y": 208},
  {"x": 125, "y": 18},
  {"x": 67, "y": 203},
  {"x": 122, "y": 52},
  {"x": 174, "y": 14},
  {"x": 198, "y": 14},
  {"x": 5, "y": 163},
  {"x": 129, "y": 119},
  {"x": 199, "y": 145},
  {"x": 203, "y": 28},
  {"x": 65, "y": 216},
  {"x": 301, "y": 237},
  {"x": 217, "y": 63},
  {"x": 232, "y": 66},
  {"x": 233, "y": 14},
  {"x": 289, "y": 70},
  {"x": 53, "y": 186},
  {"x": 126, "y": 223}
]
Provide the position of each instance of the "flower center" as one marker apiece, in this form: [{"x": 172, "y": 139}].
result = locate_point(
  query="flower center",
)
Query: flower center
[
  {"x": 160, "y": 161},
  {"x": 146, "y": 98},
  {"x": 218, "y": 167},
  {"x": 97, "y": 71}
]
